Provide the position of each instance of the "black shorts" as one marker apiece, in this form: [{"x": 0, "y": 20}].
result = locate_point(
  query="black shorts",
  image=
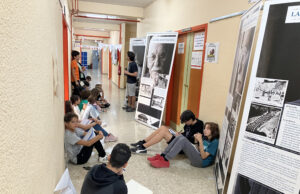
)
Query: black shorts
[{"x": 172, "y": 138}]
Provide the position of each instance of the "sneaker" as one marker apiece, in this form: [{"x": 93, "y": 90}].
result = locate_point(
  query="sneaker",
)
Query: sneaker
[
  {"x": 156, "y": 157},
  {"x": 129, "y": 109},
  {"x": 104, "y": 124},
  {"x": 160, "y": 164},
  {"x": 125, "y": 107},
  {"x": 103, "y": 159},
  {"x": 110, "y": 138},
  {"x": 137, "y": 144},
  {"x": 139, "y": 150}
]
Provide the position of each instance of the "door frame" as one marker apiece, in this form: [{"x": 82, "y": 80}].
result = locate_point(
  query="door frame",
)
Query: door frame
[
  {"x": 202, "y": 27},
  {"x": 65, "y": 58}
]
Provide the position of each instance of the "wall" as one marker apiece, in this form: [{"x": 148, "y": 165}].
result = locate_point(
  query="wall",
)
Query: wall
[
  {"x": 31, "y": 124},
  {"x": 178, "y": 15},
  {"x": 114, "y": 39}
]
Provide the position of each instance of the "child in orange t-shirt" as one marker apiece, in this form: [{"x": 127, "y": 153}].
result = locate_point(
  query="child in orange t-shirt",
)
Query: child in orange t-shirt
[{"x": 75, "y": 72}]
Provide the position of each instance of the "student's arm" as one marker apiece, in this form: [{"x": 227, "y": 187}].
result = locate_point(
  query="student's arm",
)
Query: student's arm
[
  {"x": 203, "y": 154},
  {"x": 90, "y": 142},
  {"x": 86, "y": 127},
  {"x": 134, "y": 74}
]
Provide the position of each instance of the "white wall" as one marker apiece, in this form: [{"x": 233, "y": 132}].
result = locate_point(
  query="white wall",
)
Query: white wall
[{"x": 31, "y": 96}]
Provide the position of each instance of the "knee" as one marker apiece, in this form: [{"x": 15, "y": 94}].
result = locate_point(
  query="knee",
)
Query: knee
[{"x": 164, "y": 128}]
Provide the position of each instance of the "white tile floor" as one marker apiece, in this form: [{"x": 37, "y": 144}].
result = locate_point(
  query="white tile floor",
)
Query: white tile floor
[{"x": 180, "y": 178}]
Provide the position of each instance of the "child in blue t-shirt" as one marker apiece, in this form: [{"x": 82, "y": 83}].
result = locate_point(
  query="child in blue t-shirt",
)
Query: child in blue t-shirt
[{"x": 201, "y": 155}]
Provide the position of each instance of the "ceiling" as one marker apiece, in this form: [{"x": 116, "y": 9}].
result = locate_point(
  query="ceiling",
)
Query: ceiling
[{"x": 134, "y": 3}]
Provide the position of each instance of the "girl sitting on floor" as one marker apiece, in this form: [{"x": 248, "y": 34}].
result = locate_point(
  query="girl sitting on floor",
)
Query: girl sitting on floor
[{"x": 201, "y": 156}]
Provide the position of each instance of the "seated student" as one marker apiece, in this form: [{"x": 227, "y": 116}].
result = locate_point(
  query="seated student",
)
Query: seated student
[
  {"x": 84, "y": 96},
  {"x": 91, "y": 112},
  {"x": 88, "y": 79},
  {"x": 79, "y": 151},
  {"x": 85, "y": 85},
  {"x": 85, "y": 127},
  {"x": 97, "y": 104},
  {"x": 75, "y": 100},
  {"x": 108, "y": 179},
  {"x": 101, "y": 97},
  {"x": 191, "y": 127},
  {"x": 201, "y": 156}
]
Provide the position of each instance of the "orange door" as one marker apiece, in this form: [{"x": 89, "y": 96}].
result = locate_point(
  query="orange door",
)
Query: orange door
[
  {"x": 195, "y": 82},
  {"x": 65, "y": 59},
  {"x": 178, "y": 76}
]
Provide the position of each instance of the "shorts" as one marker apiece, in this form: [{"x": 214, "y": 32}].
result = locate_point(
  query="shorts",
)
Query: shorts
[{"x": 130, "y": 89}]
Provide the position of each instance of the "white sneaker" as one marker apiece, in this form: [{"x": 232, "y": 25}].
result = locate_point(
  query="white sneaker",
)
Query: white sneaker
[
  {"x": 104, "y": 124},
  {"x": 103, "y": 159}
]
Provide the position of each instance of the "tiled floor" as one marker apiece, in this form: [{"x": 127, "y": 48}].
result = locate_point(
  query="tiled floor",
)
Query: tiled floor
[{"x": 180, "y": 178}]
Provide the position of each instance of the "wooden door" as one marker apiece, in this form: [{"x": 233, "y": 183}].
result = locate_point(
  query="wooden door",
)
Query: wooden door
[
  {"x": 178, "y": 76},
  {"x": 195, "y": 77}
]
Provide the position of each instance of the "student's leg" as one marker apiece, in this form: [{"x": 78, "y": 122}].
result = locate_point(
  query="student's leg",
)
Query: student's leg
[
  {"x": 193, "y": 154},
  {"x": 133, "y": 102},
  {"x": 84, "y": 155},
  {"x": 99, "y": 128},
  {"x": 154, "y": 133},
  {"x": 176, "y": 146},
  {"x": 170, "y": 146},
  {"x": 99, "y": 149},
  {"x": 163, "y": 133},
  {"x": 129, "y": 101}
]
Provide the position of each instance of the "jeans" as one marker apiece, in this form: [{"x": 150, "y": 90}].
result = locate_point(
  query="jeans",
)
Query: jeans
[{"x": 99, "y": 128}]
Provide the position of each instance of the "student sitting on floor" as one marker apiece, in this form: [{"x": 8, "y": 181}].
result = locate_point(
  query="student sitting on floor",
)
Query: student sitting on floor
[
  {"x": 191, "y": 127},
  {"x": 101, "y": 97},
  {"x": 84, "y": 96},
  {"x": 108, "y": 179},
  {"x": 75, "y": 100},
  {"x": 201, "y": 156},
  {"x": 79, "y": 151},
  {"x": 91, "y": 112},
  {"x": 97, "y": 104},
  {"x": 95, "y": 123}
]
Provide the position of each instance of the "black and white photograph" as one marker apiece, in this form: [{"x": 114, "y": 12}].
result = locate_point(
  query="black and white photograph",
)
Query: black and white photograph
[
  {"x": 227, "y": 149},
  {"x": 157, "y": 64},
  {"x": 139, "y": 51},
  {"x": 142, "y": 117},
  {"x": 270, "y": 91},
  {"x": 245, "y": 185},
  {"x": 157, "y": 102},
  {"x": 146, "y": 90},
  {"x": 263, "y": 120}
]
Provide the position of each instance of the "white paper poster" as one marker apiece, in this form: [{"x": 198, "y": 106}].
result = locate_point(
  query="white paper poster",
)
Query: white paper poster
[
  {"x": 239, "y": 72},
  {"x": 212, "y": 52},
  {"x": 196, "y": 61},
  {"x": 137, "y": 45},
  {"x": 293, "y": 14},
  {"x": 156, "y": 73},
  {"x": 199, "y": 38},
  {"x": 267, "y": 158},
  {"x": 181, "y": 48}
]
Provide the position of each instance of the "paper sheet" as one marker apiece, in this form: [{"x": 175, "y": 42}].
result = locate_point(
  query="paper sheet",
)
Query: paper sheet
[
  {"x": 136, "y": 188},
  {"x": 90, "y": 135},
  {"x": 65, "y": 185}
]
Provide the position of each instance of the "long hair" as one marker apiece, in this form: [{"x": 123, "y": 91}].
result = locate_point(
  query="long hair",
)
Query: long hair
[
  {"x": 214, "y": 129},
  {"x": 68, "y": 107}
]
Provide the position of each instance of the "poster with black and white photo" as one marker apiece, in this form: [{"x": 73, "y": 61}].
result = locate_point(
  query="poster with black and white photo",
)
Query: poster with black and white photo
[
  {"x": 239, "y": 72},
  {"x": 268, "y": 147},
  {"x": 158, "y": 61}
]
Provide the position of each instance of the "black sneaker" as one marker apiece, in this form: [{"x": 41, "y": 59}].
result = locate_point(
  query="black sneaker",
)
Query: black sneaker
[
  {"x": 139, "y": 150},
  {"x": 137, "y": 143},
  {"x": 125, "y": 107}
]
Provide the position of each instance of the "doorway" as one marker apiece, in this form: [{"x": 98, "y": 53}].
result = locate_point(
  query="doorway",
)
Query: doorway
[{"x": 186, "y": 80}]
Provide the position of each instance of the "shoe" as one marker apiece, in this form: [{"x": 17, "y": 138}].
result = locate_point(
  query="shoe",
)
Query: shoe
[
  {"x": 110, "y": 138},
  {"x": 137, "y": 144},
  {"x": 139, "y": 150},
  {"x": 125, "y": 107},
  {"x": 160, "y": 164},
  {"x": 156, "y": 157},
  {"x": 103, "y": 159},
  {"x": 129, "y": 109}
]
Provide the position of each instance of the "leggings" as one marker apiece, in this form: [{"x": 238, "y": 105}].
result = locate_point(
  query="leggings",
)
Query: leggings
[
  {"x": 181, "y": 143},
  {"x": 99, "y": 128},
  {"x": 85, "y": 153}
]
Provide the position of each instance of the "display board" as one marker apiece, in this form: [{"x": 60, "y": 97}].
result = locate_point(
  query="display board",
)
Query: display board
[
  {"x": 267, "y": 158},
  {"x": 137, "y": 45},
  {"x": 156, "y": 73},
  {"x": 239, "y": 72}
]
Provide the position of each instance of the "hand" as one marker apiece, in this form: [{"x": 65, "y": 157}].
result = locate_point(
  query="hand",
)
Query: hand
[
  {"x": 177, "y": 134},
  {"x": 77, "y": 83},
  {"x": 83, "y": 68},
  {"x": 100, "y": 134},
  {"x": 99, "y": 122},
  {"x": 126, "y": 72},
  {"x": 198, "y": 137}
]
